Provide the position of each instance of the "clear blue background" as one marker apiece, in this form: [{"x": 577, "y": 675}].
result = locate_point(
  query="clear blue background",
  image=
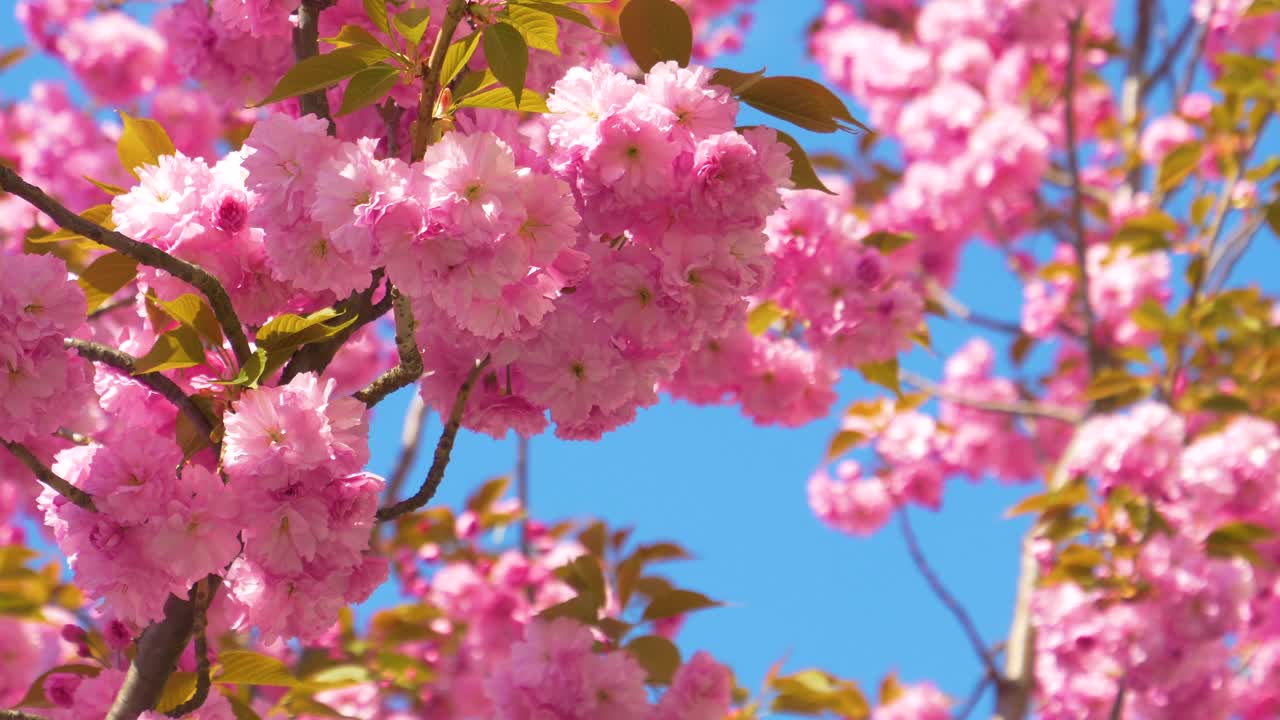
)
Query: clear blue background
[{"x": 734, "y": 494}]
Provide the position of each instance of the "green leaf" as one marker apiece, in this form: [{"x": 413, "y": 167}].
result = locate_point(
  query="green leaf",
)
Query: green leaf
[
  {"x": 582, "y": 608},
  {"x": 241, "y": 710},
  {"x": 352, "y": 35},
  {"x": 35, "y": 696},
  {"x": 508, "y": 56},
  {"x": 177, "y": 689},
  {"x": 657, "y": 655},
  {"x": 105, "y": 277},
  {"x": 98, "y": 214},
  {"x": 800, "y": 101},
  {"x": 815, "y": 692},
  {"x": 192, "y": 311},
  {"x": 844, "y": 441},
  {"x": 107, "y": 188},
  {"x": 500, "y": 98},
  {"x": 487, "y": 494},
  {"x": 890, "y": 689},
  {"x": 368, "y": 87},
  {"x": 1262, "y": 7},
  {"x": 288, "y": 331},
  {"x": 412, "y": 24},
  {"x": 244, "y": 667},
  {"x": 884, "y": 374},
  {"x": 677, "y": 602},
  {"x": 176, "y": 349},
  {"x": 585, "y": 576},
  {"x": 376, "y": 11},
  {"x": 803, "y": 176},
  {"x": 1117, "y": 384},
  {"x": 540, "y": 30},
  {"x": 189, "y": 438},
  {"x": 655, "y": 31},
  {"x": 457, "y": 57},
  {"x": 12, "y": 56},
  {"x": 736, "y": 81},
  {"x": 1237, "y": 540},
  {"x": 322, "y": 71},
  {"x": 1178, "y": 164},
  {"x": 142, "y": 142},
  {"x": 887, "y": 242},
  {"x": 1225, "y": 404},
  {"x": 1068, "y": 496},
  {"x": 560, "y": 11},
  {"x": 763, "y": 316}
]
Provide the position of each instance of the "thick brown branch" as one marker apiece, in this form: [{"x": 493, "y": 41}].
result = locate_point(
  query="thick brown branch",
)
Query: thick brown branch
[
  {"x": 957, "y": 610},
  {"x": 146, "y": 254},
  {"x": 431, "y": 78},
  {"x": 158, "y": 650},
  {"x": 410, "y": 366},
  {"x": 306, "y": 43},
  {"x": 164, "y": 386},
  {"x": 443, "y": 448},
  {"x": 49, "y": 477},
  {"x": 1022, "y": 409},
  {"x": 200, "y": 624}
]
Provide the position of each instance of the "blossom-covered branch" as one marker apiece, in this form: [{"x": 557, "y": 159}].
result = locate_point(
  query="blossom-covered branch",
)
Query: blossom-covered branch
[
  {"x": 126, "y": 363},
  {"x": 443, "y": 448},
  {"x": 146, "y": 254},
  {"x": 49, "y": 477}
]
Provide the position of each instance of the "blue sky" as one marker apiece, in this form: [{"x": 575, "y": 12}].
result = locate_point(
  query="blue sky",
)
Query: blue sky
[{"x": 734, "y": 493}]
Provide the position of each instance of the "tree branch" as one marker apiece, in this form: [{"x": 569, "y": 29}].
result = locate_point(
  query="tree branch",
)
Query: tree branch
[
  {"x": 18, "y": 715},
  {"x": 445, "y": 446},
  {"x": 306, "y": 43},
  {"x": 159, "y": 383},
  {"x": 415, "y": 418},
  {"x": 49, "y": 477},
  {"x": 1048, "y": 412},
  {"x": 410, "y": 366},
  {"x": 1077, "y": 194},
  {"x": 952, "y": 304},
  {"x": 522, "y": 490},
  {"x": 146, "y": 254},
  {"x": 158, "y": 650},
  {"x": 431, "y": 78},
  {"x": 1131, "y": 89},
  {"x": 200, "y": 601},
  {"x": 957, "y": 610},
  {"x": 1162, "y": 68}
]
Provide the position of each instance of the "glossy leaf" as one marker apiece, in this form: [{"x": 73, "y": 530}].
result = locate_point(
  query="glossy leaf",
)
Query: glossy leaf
[
  {"x": 734, "y": 80},
  {"x": 192, "y": 311},
  {"x": 105, "y": 277},
  {"x": 322, "y": 71},
  {"x": 508, "y": 57},
  {"x": 677, "y": 602},
  {"x": 98, "y": 214},
  {"x": 244, "y": 667},
  {"x": 142, "y": 142},
  {"x": 887, "y": 242},
  {"x": 1070, "y": 495},
  {"x": 289, "y": 331},
  {"x": 457, "y": 56},
  {"x": 487, "y": 494},
  {"x": 412, "y": 23},
  {"x": 108, "y": 188},
  {"x": 352, "y": 35},
  {"x": 501, "y": 98},
  {"x": 540, "y": 30},
  {"x": 179, "y": 688},
  {"x": 800, "y": 101},
  {"x": 35, "y": 696},
  {"x": 844, "y": 441},
  {"x": 179, "y": 348},
  {"x": 803, "y": 176},
  {"x": 368, "y": 87},
  {"x": 376, "y": 11},
  {"x": 655, "y": 31},
  {"x": 560, "y": 11},
  {"x": 884, "y": 374},
  {"x": 657, "y": 655},
  {"x": 763, "y": 316}
]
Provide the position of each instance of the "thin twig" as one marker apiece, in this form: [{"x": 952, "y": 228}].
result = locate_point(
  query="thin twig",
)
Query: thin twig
[
  {"x": 200, "y": 600},
  {"x": 410, "y": 366},
  {"x": 146, "y": 254},
  {"x": 522, "y": 490},
  {"x": 306, "y": 43},
  {"x": 415, "y": 420},
  {"x": 431, "y": 78},
  {"x": 49, "y": 477},
  {"x": 952, "y": 304},
  {"x": 1077, "y": 195},
  {"x": 164, "y": 386},
  {"x": 1131, "y": 88},
  {"x": 19, "y": 715},
  {"x": 73, "y": 436},
  {"x": 1162, "y": 68},
  {"x": 957, "y": 610},
  {"x": 445, "y": 446},
  {"x": 1188, "y": 77},
  {"x": 1117, "y": 707},
  {"x": 1021, "y": 409},
  {"x": 971, "y": 704}
]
